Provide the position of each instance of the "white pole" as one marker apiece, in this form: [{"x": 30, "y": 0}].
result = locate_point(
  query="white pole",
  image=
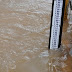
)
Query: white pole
[{"x": 56, "y": 24}]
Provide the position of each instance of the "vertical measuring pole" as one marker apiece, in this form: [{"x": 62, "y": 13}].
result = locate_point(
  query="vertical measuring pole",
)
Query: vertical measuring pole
[{"x": 56, "y": 24}]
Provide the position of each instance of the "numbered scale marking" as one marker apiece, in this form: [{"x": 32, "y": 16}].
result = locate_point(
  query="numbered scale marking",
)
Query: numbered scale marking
[{"x": 56, "y": 24}]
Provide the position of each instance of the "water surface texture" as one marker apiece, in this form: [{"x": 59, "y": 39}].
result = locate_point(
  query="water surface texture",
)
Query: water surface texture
[{"x": 24, "y": 37}]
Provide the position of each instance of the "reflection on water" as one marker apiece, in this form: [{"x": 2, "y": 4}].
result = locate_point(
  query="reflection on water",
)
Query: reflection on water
[{"x": 24, "y": 34}]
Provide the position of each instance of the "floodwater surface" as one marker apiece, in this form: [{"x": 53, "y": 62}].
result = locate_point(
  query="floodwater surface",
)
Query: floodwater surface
[{"x": 24, "y": 37}]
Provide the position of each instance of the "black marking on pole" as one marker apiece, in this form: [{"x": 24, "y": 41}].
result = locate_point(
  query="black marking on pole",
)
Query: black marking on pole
[
  {"x": 61, "y": 25},
  {"x": 60, "y": 36}
]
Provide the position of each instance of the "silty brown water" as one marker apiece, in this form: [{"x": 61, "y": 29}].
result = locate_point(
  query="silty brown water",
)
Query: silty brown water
[{"x": 24, "y": 36}]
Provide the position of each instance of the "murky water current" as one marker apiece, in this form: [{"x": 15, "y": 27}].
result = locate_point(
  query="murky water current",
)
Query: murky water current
[{"x": 24, "y": 36}]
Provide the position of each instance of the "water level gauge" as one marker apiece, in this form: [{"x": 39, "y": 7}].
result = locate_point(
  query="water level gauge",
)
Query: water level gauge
[{"x": 56, "y": 23}]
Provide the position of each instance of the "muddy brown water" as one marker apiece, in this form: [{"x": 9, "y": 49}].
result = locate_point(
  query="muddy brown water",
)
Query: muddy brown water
[{"x": 24, "y": 36}]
